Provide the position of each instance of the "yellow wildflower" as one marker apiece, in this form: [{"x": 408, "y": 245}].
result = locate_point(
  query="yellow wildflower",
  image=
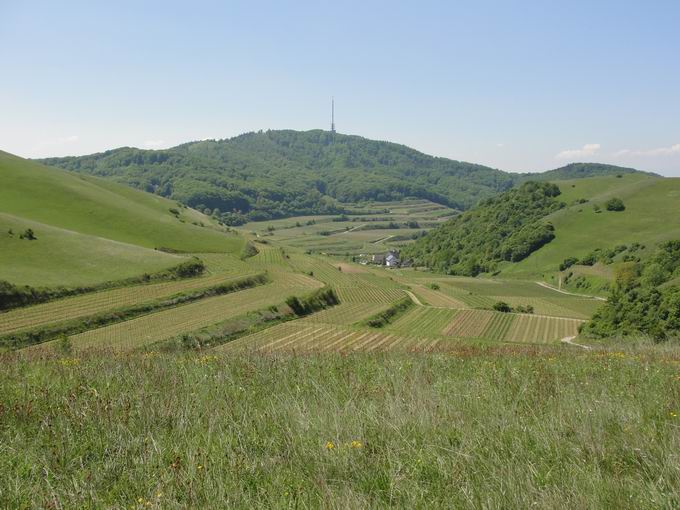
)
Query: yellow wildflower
[
  {"x": 356, "y": 444},
  {"x": 330, "y": 445}
]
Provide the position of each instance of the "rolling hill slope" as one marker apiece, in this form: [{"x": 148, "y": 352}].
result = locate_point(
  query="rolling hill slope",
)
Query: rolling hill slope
[
  {"x": 581, "y": 226},
  {"x": 275, "y": 174},
  {"x": 90, "y": 230},
  {"x": 652, "y": 215}
]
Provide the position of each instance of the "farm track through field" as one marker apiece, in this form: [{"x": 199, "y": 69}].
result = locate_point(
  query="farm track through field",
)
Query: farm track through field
[{"x": 546, "y": 286}]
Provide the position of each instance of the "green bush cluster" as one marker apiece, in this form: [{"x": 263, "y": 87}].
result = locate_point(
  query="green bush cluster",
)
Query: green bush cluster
[
  {"x": 643, "y": 299},
  {"x": 317, "y": 300},
  {"x": 249, "y": 250},
  {"x": 605, "y": 256},
  {"x": 384, "y": 318}
]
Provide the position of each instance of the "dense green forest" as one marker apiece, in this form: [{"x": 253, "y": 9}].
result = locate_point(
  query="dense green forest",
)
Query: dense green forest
[
  {"x": 645, "y": 298},
  {"x": 272, "y": 174},
  {"x": 507, "y": 227}
]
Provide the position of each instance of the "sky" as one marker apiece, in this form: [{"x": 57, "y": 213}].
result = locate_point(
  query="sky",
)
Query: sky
[{"x": 516, "y": 85}]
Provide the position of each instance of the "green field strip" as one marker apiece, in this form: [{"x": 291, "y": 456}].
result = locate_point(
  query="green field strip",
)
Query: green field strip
[
  {"x": 498, "y": 326},
  {"x": 468, "y": 323},
  {"x": 182, "y": 319},
  {"x": 423, "y": 320},
  {"x": 253, "y": 340},
  {"x": 345, "y": 313},
  {"x": 581, "y": 307},
  {"x": 369, "y": 295},
  {"x": 97, "y": 302},
  {"x": 437, "y": 298},
  {"x": 223, "y": 263},
  {"x": 287, "y": 341},
  {"x": 536, "y": 329}
]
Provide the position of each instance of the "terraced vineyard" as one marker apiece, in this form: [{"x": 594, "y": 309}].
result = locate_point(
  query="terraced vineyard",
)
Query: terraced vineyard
[
  {"x": 326, "y": 338},
  {"x": 268, "y": 256},
  {"x": 90, "y": 304},
  {"x": 436, "y": 298},
  {"x": 186, "y": 318},
  {"x": 369, "y": 295},
  {"x": 423, "y": 320},
  {"x": 469, "y": 323},
  {"x": 346, "y": 313},
  {"x": 528, "y": 328},
  {"x": 499, "y": 325}
]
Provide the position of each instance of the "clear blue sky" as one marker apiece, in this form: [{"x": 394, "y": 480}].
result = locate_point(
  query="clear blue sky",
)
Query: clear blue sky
[{"x": 520, "y": 86}]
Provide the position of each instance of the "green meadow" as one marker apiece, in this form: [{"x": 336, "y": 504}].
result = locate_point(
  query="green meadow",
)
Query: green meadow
[
  {"x": 651, "y": 216},
  {"x": 480, "y": 427},
  {"x": 91, "y": 230}
]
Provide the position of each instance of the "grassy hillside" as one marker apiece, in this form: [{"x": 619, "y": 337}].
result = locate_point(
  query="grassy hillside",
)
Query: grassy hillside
[
  {"x": 275, "y": 174},
  {"x": 90, "y": 230},
  {"x": 62, "y": 257},
  {"x": 651, "y": 216}
]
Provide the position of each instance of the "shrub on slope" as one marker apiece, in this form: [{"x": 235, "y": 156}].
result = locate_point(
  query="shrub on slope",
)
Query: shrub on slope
[{"x": 639, "y": 302}]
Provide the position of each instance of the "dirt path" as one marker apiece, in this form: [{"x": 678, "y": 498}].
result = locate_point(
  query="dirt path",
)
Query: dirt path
[
  {"x": 542, "y": 284},
  {"x": 413, "y": 297},
  {"x": 353, "y": 228},
  {"x": 381, "y": 240},
  {"x": 569, "y": 340}
]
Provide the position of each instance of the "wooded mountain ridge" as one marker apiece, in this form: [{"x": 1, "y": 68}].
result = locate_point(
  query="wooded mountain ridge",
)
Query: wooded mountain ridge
[{"x": 272, "y": 174}]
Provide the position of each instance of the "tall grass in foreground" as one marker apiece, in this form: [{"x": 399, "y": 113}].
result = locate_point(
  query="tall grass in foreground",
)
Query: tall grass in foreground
[{"x": 508, "y": 427}]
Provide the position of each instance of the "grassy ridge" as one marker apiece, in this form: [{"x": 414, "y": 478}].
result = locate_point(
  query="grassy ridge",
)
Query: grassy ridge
[
  {"x": 594, "y": 430},
  {"x": 89, "y": 229}
]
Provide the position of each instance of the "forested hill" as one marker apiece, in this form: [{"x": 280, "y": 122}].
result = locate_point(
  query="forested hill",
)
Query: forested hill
[
  {"x": 271, "y": 174},
  {"x": 508, "y": 227}
]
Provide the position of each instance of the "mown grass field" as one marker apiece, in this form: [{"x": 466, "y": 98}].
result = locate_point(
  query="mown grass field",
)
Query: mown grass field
[
  {"x": 479, "y": 427},
  {"x": 62, "y": 257},
  {"x": 90, "y": 230}
]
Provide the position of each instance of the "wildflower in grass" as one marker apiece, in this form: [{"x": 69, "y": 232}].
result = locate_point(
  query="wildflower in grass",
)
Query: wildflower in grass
[
  {"x": 204, "y": 360},
  {"x": 69, "y": 362},
  {"x": 199, "y": 467},
  {"x": 673, "y": 414},
  {"x": 356, "y": 444},
  {"x": 330, "y": 445}
]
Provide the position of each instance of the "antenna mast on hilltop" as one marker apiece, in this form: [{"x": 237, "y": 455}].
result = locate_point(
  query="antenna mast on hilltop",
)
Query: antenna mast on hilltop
[{"x": 333, "y": 115}]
